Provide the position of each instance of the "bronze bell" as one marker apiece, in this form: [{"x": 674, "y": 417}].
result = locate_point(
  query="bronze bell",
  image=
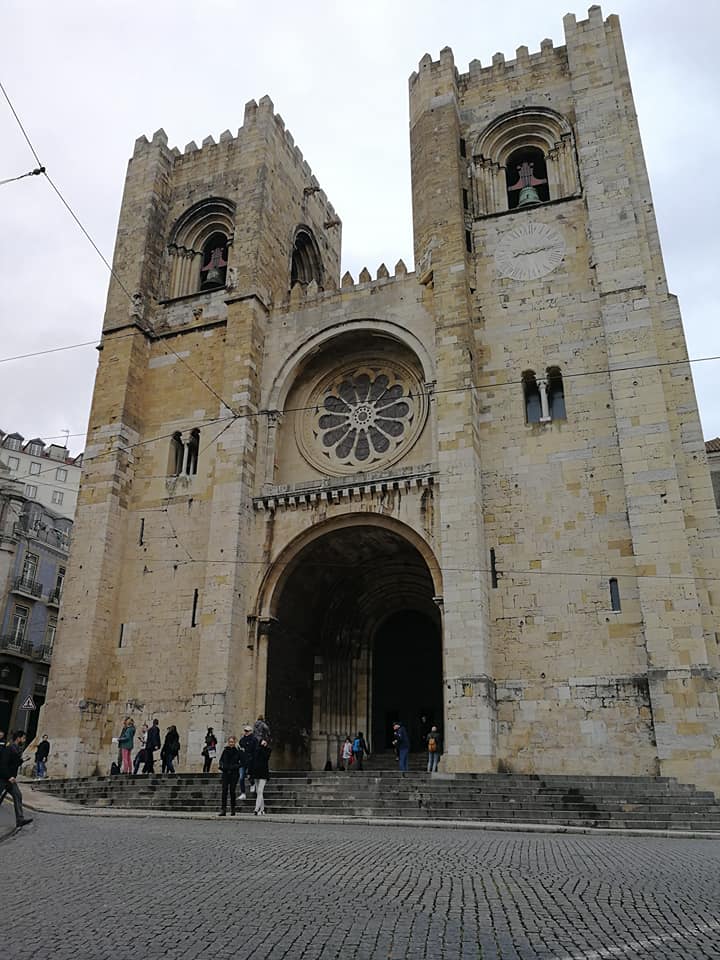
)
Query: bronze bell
[{"x": 528, "y": 195}]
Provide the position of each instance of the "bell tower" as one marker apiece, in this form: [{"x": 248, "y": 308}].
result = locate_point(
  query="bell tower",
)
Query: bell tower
[{"x": 209, "y": 241}]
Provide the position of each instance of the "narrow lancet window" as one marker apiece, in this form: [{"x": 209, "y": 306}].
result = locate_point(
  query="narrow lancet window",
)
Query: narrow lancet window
[
  {"x": 531, "y": 393},
  {"x": 555, "y": 394},
  {"x": 193, "y": 451}
]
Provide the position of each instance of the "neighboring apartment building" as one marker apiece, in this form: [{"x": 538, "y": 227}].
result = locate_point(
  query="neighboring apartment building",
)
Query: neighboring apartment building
[
  {"x": 50, "y": 476},
  {"x": 34, "y": 543}
]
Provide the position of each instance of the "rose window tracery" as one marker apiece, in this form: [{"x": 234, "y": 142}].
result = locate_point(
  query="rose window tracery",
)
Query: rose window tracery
[{"x": 363, "y": 416}]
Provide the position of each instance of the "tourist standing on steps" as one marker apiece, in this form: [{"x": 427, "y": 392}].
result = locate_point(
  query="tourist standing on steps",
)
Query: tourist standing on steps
[
  {"x": 402, "y": 742},
  {"x": 126, "y": 741},
  {"x": 261, "y": 730},
  {"x": 11, "y": 759},
  {"x": 346, "y": 755},
  {"x": 248, "y": 747},
  {"x": 359, "y": 749},
  {"x": 433, "y": 741},
  {"x": 152, "y": 743},
  {"x": 209, "y": 751},
  {"x": 140, "y": 755},
  {"x": 261, "y": 772},
  {"x": 170, "y": 750},
  {"x": 230, "y": 760},
  {"x": 41, "y": 757}
]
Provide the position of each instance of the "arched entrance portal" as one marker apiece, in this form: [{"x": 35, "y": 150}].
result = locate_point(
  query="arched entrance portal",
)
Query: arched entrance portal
[{"x": 355, "y": 644}]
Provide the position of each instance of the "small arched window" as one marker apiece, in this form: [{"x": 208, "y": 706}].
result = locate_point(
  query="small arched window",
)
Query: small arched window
[
  {"x": 531, "y": 393},
  {"x": 527, "y": 181},
  {"x": 214, "y": 262},
  {"x": 193, "y": 452},
  {"x": 555, "y": 394},
  {"x": 306, "y": 263}
]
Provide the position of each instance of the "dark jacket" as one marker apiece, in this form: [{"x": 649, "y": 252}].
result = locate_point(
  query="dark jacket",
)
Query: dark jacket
[
  {"x": 248, "y": 747},
  {"x": 230, "y": 760},
  {"x": 261, "y": 730},
  {"x": 42, "y": 752},
  {"x": 11, "y": 758},
  {"x": 152, "y": 739},
  {"x": 171, "y": 747},
  {"x": 437, "y": 736},
  {"x": 260, "y": 769},
  {"x": 401, "y": 740}
]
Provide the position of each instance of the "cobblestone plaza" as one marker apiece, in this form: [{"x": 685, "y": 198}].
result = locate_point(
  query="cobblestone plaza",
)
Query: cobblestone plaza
[{"x": 120, "y": 888}]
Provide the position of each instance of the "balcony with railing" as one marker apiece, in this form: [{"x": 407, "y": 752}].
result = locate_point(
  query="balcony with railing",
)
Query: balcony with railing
[
  {"x": 53, "y": 599},
  {"x": 27, "y": 587},
  {"x": 19, "y": 647}
]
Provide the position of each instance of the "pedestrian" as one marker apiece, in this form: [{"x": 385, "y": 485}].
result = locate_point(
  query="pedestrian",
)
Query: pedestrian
[
  {"x": 209, "y": 751},
  {"x": 3, "y": 741},
  {"x": 402, "y": 742},
  {"x": 359, "y": 749},
  {"x": 261, "y": 730},
  {"x": 125, "y": 743},
  {"x": 346, "y": 755},
  {"x": 248, "y": 747},
  {"x": 11, "y": 759},
  {"x": 41, "y": 756},
  {"x": 433, "y": 741},
  {"x": 230, "y": 760},
  {"x": 261, "y": 772},
  {"x": 170, "y": 750},
  {"x": 140, "y": 755},
  {"x": 152, "y": 743}
]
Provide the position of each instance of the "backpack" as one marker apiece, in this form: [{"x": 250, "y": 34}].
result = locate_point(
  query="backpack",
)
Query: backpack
[
  {"x": 357, "y": 745},
  {"x": 432, "y": 745}
]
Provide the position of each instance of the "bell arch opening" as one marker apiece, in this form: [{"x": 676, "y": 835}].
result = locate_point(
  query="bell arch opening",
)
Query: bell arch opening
[{"x": 355, "y": 644}]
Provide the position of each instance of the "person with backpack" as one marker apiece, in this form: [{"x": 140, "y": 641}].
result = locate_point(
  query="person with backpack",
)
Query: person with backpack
[
  {"x": 433, "y": 741},
  {"x": 359, "y": 749}
]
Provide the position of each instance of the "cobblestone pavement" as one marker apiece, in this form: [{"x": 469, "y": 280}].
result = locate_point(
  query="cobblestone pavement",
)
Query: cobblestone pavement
[{"x": 78, "y": 888}]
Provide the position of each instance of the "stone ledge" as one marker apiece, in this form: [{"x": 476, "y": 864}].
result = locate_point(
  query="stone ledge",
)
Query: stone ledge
[{"x": 342, "y": 489}]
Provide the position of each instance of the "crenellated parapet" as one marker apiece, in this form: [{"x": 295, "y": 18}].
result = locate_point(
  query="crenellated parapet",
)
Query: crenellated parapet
[{"x": 310, "y": 295}]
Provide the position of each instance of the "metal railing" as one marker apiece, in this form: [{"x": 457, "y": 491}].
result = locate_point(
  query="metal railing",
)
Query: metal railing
[
  {"x": 54, "y": 597},
  {"x": 25, "y": 648},
  {"x": 31, "y": 588}
]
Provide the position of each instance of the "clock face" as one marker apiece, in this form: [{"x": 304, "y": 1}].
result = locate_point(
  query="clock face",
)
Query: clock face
[{"x": 529, "y": 251}]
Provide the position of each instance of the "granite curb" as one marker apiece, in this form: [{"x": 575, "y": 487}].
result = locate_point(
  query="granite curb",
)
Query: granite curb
[{"x": 43, "y": 803}]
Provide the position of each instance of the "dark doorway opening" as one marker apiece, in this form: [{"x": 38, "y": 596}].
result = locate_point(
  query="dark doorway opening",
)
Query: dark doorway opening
[{"x": 407, "y": 678}]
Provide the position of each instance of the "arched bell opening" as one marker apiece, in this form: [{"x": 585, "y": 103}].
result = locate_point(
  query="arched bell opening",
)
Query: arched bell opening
[{"x": 354, "y": 604}]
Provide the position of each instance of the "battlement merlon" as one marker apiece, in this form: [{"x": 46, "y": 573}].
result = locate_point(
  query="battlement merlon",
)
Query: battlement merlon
[
  {"x": 442, "y": 75},
  {"x": 260, "y": 117}
]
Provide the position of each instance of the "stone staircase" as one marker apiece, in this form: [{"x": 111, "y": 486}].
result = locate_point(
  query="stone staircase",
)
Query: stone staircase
[{"x": 609, "y": 802}]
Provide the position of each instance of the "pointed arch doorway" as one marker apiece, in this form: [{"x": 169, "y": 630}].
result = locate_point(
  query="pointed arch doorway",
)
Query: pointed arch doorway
[{"x": 356, "y": 640}]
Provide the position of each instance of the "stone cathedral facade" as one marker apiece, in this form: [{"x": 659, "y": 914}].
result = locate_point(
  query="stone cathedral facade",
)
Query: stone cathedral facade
[{"x": 475, "y": 493}]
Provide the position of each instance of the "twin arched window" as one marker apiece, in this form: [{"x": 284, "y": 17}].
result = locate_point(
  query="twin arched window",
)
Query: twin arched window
[
  {"x": 306, "y": 264},
  {"x": 544, "y": 397}
]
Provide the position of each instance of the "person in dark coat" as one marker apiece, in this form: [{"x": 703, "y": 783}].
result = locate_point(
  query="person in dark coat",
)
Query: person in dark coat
[
  {"x": 11, "y": 759},
  {"x": 402, "y": 742},
  {"x": 209, "y": 751},
  {"x": 152, "y": 743},
  {"x": 170, "y": 750},
  {"x": 261, "y": 772},
  {"x": 230, "y": 760},
  {"x": 41, "y": 756},
  {"x": 261, "y": 729},
  {"x": 248, "y": 746}
]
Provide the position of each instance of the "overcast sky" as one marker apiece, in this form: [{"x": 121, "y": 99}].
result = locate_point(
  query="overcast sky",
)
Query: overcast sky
[{"x": 88, "y": 77}]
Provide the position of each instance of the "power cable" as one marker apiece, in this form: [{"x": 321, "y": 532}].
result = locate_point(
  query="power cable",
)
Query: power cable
[
  {"x": 95, "y": 247},
  {"x": 31, "y": 173}
]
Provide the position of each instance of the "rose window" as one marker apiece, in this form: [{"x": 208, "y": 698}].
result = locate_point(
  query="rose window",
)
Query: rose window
[{"x": 363, "y": 416}]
